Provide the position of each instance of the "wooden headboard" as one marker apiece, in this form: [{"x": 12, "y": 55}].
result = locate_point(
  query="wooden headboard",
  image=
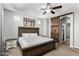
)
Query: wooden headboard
[{"x": 27, "y": 30}]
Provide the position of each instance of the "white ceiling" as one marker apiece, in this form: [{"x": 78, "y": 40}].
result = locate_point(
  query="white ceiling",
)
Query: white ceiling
[{"x": 33, "y": 9}]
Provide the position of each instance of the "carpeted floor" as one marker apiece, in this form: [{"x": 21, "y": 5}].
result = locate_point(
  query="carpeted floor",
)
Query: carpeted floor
[{"x": 62, "y": 50}]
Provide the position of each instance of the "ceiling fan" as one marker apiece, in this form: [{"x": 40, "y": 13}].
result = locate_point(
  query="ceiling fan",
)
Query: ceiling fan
[{"x": 50, "y": 9}]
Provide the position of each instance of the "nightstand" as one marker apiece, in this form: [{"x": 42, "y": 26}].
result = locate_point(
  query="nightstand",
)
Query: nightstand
[{"x": 11, "y": 43}]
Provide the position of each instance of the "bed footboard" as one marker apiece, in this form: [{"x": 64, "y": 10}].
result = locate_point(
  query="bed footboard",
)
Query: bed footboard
[{"x": 39, "y": 49}]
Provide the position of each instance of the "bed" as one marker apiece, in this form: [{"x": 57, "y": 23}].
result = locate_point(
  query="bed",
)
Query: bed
[{"x": 31, "y": 44}]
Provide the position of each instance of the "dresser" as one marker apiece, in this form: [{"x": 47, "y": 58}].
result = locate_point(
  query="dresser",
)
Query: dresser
[{"x": 11, "y": 43}]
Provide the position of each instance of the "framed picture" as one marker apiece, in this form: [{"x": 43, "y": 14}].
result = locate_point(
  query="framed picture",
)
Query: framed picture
[{"x": 28, "y": 22}]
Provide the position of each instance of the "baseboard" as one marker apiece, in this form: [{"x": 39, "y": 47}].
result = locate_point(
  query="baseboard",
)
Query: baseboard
[{"x": 76, "y": 47}]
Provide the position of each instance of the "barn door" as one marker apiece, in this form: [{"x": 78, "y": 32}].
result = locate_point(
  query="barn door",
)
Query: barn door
[{"x": 55, "y": 24}]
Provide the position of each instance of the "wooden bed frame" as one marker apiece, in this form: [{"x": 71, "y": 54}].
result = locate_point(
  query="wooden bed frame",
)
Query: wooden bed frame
[{"x": 37, "y": 50}]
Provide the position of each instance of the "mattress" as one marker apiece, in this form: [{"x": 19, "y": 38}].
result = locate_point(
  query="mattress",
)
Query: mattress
[{"x": 32, "y": 41}]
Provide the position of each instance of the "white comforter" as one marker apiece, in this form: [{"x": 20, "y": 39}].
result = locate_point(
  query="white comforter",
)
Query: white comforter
[{"x": 32, "y": 41}]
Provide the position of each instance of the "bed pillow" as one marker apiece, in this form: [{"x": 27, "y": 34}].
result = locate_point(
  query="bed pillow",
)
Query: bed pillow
[
  {"x": 33, "y": 34},
  {"x": 29, "y": 34},
  {"x": 25, "y": 34}
]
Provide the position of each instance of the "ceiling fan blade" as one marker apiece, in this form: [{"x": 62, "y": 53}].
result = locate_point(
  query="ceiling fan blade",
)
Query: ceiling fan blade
[
  {"x": 52, "y": 12},
  {"x": 57, "y": 7},
  {"x": 44, "y": 13}
]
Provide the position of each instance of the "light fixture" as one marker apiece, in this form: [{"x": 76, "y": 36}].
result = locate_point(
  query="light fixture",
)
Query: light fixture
[
  {"x": 38, "y": 22},
  {"x": 17, "y": 19},
  {"x": 68, "y": 21},
  {"x": 48, "y": 11},
  {"x": 63, "y": 24}
]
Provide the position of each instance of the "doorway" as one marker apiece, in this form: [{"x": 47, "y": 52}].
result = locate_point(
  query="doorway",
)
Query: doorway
[{"x": 66, "y": 30}]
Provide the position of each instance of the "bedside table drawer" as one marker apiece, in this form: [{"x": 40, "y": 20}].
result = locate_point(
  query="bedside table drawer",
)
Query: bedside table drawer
[{"x": 11, "y": 43}]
